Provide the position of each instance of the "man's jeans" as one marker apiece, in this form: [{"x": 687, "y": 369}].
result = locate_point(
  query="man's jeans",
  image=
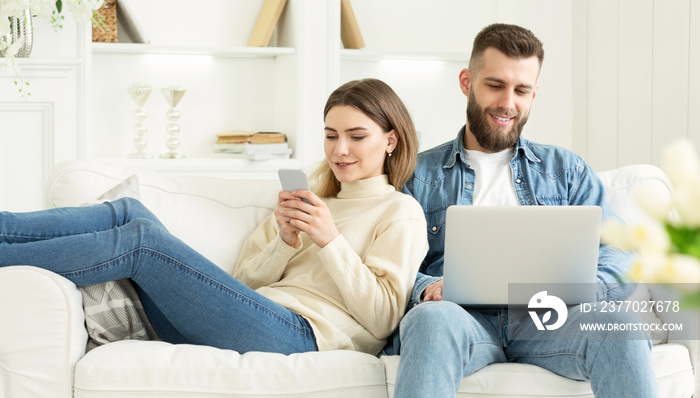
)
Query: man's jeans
[
  {"x": 187, "y": 298},
  {"x": 441, "y": 343}
]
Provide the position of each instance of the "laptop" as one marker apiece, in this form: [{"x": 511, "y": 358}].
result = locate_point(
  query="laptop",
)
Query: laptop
[{"x": 503, "y": 255}]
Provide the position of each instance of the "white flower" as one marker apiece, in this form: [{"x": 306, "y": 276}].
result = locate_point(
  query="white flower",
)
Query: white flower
[
  {"x": 5, "y": 63},
  {"x": 649, "y": 236},
  {"x": 681, "y": 269},
  {"x": 13, "y": 8},
  {"x": 655, "y": 203},
  {"x": 647, "y": 267},
  {"x": 617, "y": 234},
  {"x": 686, "y": 200},
  {"x": 680, "y": 162},
  {"x": 82, "y": 10},
  {"x": 43, "y": 8},
  {"x": 81, "y": 14},
  {"x": 93, "y": 4},
  {"x": 13, "y": 49}
]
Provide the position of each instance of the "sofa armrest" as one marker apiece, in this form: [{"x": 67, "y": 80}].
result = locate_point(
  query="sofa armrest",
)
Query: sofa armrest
[
  {"x": 693, "y": 347},
  {"x": 42, "y": 335},
  {"x": 688, "y": 319}
]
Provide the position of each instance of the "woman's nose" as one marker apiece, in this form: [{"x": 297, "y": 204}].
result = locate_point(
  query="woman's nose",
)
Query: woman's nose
[{"x": 341, "y": 147}]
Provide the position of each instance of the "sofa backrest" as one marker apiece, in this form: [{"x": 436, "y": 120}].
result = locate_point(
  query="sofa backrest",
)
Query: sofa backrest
[
  {"x": 622, "y": 184},
  {"x": 214, "y": 216}
]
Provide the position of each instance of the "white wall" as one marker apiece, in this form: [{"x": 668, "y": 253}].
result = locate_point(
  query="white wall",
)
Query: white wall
[
  {"x": 45, "y": 127},
  {"x": 621, "y": 79},
  {"x": 636, "y": 78},
  {"x": 430, "y": 87}
]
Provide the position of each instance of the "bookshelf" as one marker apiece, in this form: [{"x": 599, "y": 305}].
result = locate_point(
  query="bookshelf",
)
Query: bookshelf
[
  {"x": 230, "y": 86},
  {"x": 171, "y": 49}
]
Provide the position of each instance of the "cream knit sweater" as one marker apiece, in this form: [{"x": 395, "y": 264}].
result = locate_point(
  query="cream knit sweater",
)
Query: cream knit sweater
[{"x": 355, "y": 290}]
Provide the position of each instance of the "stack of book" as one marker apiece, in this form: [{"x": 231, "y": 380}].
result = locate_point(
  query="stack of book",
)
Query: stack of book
[{"x": 254, "y": 145}]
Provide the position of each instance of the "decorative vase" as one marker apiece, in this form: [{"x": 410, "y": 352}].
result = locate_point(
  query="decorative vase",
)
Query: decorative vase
[{"x": 20, "y": 31}]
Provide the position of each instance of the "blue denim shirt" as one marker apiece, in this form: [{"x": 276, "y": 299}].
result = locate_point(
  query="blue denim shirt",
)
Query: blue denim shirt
[{"x": 542, "y": 175}]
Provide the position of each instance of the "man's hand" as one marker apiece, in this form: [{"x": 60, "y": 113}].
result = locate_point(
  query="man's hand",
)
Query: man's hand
[{"x": 433, "y": 292}]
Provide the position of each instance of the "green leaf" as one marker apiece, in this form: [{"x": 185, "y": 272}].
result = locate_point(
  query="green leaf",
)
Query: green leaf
[
  {"x": 691, "y": 301},
  {"x": 685, "y": 240},
  {"x": 59, "y": 6}
]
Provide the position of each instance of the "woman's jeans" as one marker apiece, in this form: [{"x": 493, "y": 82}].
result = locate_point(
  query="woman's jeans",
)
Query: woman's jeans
[
  {"x": 187, "y": 298},
  {"x": 442, "y": 342}
]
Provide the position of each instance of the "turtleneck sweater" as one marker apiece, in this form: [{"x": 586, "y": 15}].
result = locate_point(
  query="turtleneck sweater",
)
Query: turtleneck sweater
[{"x": 354, "y": 290}]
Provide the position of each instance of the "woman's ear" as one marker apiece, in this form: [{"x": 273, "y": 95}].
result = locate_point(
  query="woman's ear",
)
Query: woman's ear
[{"x": 392, "y": 140}]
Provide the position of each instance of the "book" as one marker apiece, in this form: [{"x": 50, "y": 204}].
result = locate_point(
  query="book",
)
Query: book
[
  {"x": 349, "y": 29},
  {"x": 268, "y": 148},
  {"x": 259, "y": 137},
  {"x": 266, "y": 22},
  {"x": 131, "y": 25}
]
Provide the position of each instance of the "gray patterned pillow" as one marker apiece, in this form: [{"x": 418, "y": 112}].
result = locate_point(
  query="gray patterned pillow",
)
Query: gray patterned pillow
[{"x": 113, "y": 310}]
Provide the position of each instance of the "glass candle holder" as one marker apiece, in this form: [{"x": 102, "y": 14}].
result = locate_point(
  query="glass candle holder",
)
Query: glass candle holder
[
  {"x": 139, "y": 94},
  {"x": 173, "y": 95}
]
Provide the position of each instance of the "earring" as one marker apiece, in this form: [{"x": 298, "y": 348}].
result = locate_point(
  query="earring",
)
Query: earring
[{"x": 389, "y": 154}]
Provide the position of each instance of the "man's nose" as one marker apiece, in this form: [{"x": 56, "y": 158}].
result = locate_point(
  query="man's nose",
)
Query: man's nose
[{"x": 506, "y": 100}]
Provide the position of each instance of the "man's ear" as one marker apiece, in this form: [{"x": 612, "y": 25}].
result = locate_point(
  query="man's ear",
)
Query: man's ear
[
  {"x": 534, "y": 92},
  {"x": 465, "y": 80}
]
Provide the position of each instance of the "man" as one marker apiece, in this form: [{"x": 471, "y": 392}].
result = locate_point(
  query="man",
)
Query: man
[{"x": 490, "y": 164}]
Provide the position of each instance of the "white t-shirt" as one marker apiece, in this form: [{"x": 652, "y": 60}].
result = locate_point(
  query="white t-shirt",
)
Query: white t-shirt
[{"x": 493, "y": 180}]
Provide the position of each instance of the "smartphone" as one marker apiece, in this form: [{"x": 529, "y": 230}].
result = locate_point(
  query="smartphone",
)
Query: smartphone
[{"x": 294, "y": 180}]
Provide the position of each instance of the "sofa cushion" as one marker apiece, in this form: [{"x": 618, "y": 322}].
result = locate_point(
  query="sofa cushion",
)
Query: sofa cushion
[
  {"x": 671, "y": 362},
  {"x": 140, "y": 369},
  {"x": 214, "y": 216}
]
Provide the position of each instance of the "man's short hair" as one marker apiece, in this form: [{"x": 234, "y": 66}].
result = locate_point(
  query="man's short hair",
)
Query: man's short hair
[{"x": 512, "y": 40}]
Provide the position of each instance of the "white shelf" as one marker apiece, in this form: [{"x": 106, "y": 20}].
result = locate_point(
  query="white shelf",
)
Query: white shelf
[
  {"x": 216, "y": 51},
  {"x": 368, "y": 55},
  {"x": 214, "y": 166}
]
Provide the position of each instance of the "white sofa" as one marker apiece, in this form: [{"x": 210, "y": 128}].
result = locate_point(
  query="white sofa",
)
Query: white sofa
[{"x": 43, "y": 337}]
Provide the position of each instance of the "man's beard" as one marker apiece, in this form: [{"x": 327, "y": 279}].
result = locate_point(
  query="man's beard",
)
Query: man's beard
[{"x": 493, "y": 140}]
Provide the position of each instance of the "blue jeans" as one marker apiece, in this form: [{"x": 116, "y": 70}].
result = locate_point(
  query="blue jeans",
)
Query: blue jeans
[
  {"x": 187, "y": 298},
  {"x": 441, "y": 343}
]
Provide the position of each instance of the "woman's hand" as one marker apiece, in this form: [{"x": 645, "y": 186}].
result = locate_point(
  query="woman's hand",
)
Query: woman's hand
[
  {"x": 288, "y": 233},
  {"x": 294, "y": 216}
]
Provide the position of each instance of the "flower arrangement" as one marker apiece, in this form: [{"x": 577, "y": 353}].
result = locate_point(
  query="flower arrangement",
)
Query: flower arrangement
[
  {"x": 667, "y": 243},
  {"x": 82, "y": 10}
]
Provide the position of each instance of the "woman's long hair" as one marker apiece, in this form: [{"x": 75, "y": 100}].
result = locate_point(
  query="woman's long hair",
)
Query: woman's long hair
[{"x": 380, "y": 103}]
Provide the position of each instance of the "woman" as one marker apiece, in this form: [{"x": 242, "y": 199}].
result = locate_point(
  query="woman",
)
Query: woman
[{"x": 332, "y": 274}]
